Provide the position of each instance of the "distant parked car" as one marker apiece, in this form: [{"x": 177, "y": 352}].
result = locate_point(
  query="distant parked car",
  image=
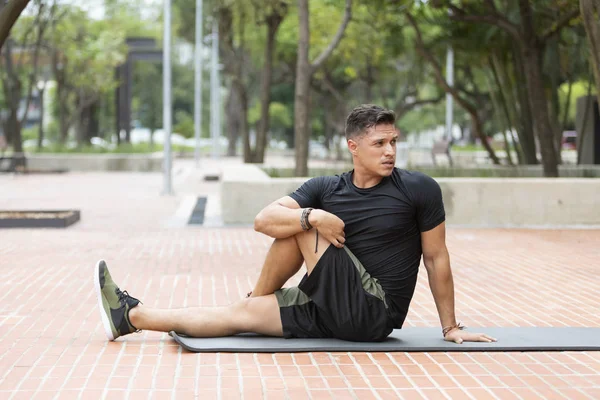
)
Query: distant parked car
[{"x": 569, "y": 140}]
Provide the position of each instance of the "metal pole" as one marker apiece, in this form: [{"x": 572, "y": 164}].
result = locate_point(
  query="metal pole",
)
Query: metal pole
[
  {"x": 218, "y": 98},
  {"x": 167, "y": 96},
  {"x": 198, "y": 83},
  {"x": 214, "y": 89},
  {"x": 449, "y": 99}
]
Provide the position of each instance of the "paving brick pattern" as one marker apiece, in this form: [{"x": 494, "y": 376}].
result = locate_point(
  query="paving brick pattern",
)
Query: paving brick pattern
[{"x": 52, "y": 344}]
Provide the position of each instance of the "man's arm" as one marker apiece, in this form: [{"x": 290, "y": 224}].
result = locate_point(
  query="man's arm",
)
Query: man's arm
[
  {"x": 281, "y": 219},
  {"x": 437, "y": 263},
  {"x": 439, "y": 273}
]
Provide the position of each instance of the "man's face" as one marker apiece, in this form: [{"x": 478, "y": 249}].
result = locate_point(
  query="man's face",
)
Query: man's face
[{"x": 376, "y": 149}]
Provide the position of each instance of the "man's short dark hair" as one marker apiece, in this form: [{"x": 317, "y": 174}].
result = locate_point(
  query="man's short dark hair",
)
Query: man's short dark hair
[{"x": 366, "y": 116}]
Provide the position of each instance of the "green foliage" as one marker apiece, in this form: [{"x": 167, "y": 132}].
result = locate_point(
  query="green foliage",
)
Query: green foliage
[
  {"x": 83, "y": 54},
  {"x": 51, "y": 132},
  {"x": 281, "y": 115},
  {"x": 185, "y": 126},
  {"x": 124, "y": 148},
  {"x": 91, "y": 50},
  {"x": 376, "y": 61},
  {"x": 579, "y": 89},
  {"x": 423, "y": 119},
  {"x": 30, "y": 133}
]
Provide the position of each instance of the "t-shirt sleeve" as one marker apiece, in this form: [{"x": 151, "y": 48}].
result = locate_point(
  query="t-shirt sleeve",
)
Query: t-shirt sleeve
[
  {"x": 429, "y": 203},
  {"x": 311, "y": 192}
]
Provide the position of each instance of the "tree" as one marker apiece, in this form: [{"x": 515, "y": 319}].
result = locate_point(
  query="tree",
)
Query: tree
[
  {"x": 84, "y": 56},
  {"x": 590, "y": 11},
  {"x": 275, "y": 12},
  {"x": 460, "y": 99},
  {"x": 234, "y": 54},
  {"x": 19, "y": 73},
  {"x": 530, "y": 42},
  {"x": 374, "y": 63},
  {"x": 304, "y": 71},
  {"x": 9, "y": 13}
]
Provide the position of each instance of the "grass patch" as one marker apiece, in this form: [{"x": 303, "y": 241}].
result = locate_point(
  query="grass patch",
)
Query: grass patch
[{"x": 124, "y": 148}]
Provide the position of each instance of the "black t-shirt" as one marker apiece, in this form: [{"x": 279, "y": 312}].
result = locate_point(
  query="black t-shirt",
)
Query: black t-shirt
[{"x": 382, "y": 225}]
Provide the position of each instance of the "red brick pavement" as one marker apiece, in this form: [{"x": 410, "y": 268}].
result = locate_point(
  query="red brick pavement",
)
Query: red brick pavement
[{"x": 52, "y": 344}]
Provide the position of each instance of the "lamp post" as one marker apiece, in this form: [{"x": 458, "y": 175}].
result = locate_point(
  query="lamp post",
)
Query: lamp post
[
  {"x": 198, "y": 81},
  {"x": 167, "y": 97},
  {"x": 215, "y": 102}
]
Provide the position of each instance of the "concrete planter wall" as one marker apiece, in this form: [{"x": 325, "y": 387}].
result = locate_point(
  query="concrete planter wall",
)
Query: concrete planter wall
[
  {"x": 477, "y": 202},
  {"x": 96, "y": 162}
]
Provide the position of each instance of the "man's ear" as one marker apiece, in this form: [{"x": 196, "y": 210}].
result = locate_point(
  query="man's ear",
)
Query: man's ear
[{"x": 352, "y": 146}]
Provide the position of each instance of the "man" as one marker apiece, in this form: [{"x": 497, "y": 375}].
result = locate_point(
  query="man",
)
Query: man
[{"x": 361, "y": 236}]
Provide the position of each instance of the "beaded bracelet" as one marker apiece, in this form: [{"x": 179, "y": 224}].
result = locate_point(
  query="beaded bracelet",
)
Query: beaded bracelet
[
  {"x": 306, "y": 226},
  {"x": 448, "y": 329}
]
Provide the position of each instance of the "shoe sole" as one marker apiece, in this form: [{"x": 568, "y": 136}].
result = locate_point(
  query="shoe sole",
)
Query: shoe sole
[{"x": 103, "y": 316}]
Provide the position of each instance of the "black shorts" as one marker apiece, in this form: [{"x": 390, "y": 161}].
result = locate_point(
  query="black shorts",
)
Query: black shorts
[{"x": 339, "y": 299}]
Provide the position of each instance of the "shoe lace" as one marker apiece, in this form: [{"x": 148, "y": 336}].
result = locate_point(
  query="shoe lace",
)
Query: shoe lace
[{"x": 123, "y": 296}]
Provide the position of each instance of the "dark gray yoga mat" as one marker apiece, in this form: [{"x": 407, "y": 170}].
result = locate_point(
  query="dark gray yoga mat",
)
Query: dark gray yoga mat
[{"x": 407, "y": 340}]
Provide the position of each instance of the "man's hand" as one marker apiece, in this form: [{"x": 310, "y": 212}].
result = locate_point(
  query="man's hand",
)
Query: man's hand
[
  {"x": 459, "y": 336},
  {"x": 329, "y": 225}
]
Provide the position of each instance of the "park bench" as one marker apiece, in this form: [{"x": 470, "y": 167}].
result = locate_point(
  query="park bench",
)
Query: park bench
[
  {"x": 10, "y": 163},
  {"x": 441, "y": 146}
]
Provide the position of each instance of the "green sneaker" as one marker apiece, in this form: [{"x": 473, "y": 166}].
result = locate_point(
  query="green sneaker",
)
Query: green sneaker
[{"x": 113, "y": 303}]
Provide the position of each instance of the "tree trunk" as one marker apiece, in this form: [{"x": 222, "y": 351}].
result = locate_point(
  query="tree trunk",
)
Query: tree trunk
[
  {"x": 63, "y": 116},
  {"x": 239, "y": 90},
  {"x": 232, "y": 122},
  {"x": 539, "y": 108},
  {"x": 40, "y": 142},
  {"x": 538, "y": 103},
  {"x": 93, "y": 122},
  {"x": 502, "y": 104},
  {"x": 9, "y": 13},
  {"x": 81, "y": 125},
  {"x": 62, "y": 97},
  {"x": 328, "y": 126},
  {"x": 233, "y": 60},
  {"x": 555, "y": 120},
  {"x": 273, "y": 23},
  {"x": 303, "y": 73},
  {"x": 86, "y": 124},
  {"x": 590, "y": 12},
  {"x": 12, "y": 92},
  {"x": 15, "y": 129},
  {"x": 526, "y": 133},
  {"x": 552, "y": 74},
  {"x": 531, "y": 50},
  {"x": 499, "y": 113}
]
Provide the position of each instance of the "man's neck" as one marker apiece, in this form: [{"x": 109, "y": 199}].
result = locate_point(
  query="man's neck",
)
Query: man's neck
[{"x": 363, "y": 180}]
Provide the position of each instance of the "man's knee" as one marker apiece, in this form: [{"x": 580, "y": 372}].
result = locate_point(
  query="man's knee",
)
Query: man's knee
[
  {"x": 240, "y": 312},
  {"x": 257, "y": 314}
]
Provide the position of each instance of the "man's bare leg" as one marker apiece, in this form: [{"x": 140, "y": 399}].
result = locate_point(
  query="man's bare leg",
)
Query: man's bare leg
[
  {"x": 258, "y": 314},
  {"x": 312, "y": 246},
  {"x": 283, "y": 261}
]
